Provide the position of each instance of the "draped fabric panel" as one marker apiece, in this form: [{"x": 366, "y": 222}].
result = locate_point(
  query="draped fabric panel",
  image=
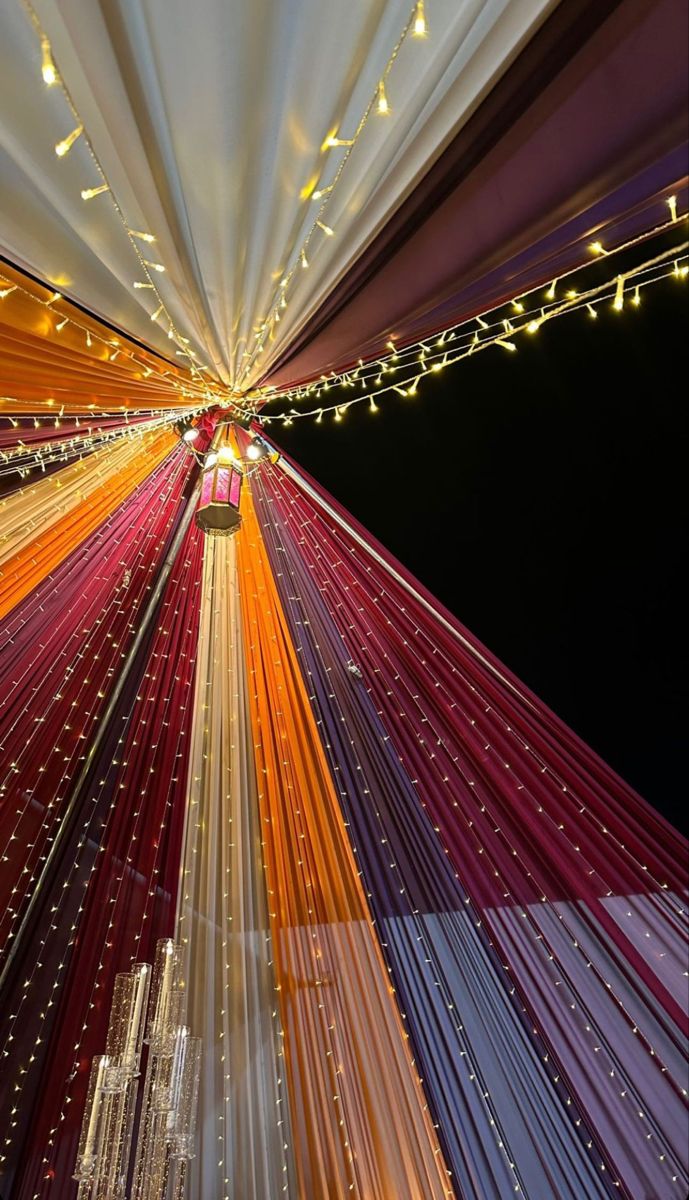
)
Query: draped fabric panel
[
  {"x": 584, "y": 919},
  {"x": 348, "y": 1064},
  {"x": 195, "y": 112},
  {"x": 112, "y": 892},
  {"x": 584, "y": 138},
  {"x": 99, "y": 486},
  {"x": 53, "y": 355},
  {"x": 465, "y": 1021},
  {"x": 245, "y": 1142},
  {"x": 460, "y": 198},
  {"x": 434, "y": 946}
]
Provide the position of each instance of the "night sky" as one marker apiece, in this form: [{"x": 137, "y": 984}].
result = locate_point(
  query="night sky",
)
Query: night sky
[{"x": 547, "y": 515}]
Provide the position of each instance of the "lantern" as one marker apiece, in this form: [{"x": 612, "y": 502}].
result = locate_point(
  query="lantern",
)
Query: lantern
[{"x": 221, "y": 485}]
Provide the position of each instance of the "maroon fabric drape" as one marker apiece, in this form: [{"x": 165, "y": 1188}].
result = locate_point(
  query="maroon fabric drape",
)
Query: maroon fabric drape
[{"x": 577, "y": 141}]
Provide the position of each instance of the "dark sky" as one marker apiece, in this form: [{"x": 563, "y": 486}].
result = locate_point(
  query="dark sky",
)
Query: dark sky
[{"x": 549, "y": 516}]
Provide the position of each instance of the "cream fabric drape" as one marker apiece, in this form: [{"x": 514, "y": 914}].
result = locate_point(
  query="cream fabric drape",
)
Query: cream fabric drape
[
  {"x": 209, "y": 119},
  {"x": 244, "y": 1142}
]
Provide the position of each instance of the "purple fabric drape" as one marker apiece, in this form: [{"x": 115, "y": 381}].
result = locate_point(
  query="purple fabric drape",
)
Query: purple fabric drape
[{"x": 593, "y": 151}]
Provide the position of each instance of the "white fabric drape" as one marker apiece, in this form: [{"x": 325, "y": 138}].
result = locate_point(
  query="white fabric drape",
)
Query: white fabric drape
[
  {"x": 243, "y": 1144},
  {"x": 209, "y": 120}
]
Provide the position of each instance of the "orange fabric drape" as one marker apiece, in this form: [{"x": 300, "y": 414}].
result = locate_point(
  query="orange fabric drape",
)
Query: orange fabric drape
[
  {"x": 79, "y": 365},
  {"x": 101, "y": 494},
  {"x": 360, "y": 1121}
]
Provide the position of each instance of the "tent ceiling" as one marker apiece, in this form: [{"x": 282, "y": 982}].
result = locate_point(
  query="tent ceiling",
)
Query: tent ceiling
[{"x": 208, "y": 120}]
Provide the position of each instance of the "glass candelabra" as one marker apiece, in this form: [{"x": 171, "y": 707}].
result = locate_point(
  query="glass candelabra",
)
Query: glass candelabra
[{"x": 148, "y": 1006}]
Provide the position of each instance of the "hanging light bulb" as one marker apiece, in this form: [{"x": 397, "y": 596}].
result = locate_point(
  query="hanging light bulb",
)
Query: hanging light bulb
[
  {"x": 332, "y": 141},
  {"x": 89, "y": 193},
  {"x": 304, "y": 260},
  {"x": 383, "y": 108},
  {"x": 66, "y": 144},
  {"x": 420, "y": 28},
  {"x": 257, "y": 449},
  {"x": 143, "y": 237},
  {"x": 187, "y": 431},
  {"x": 48, "y": 70}
]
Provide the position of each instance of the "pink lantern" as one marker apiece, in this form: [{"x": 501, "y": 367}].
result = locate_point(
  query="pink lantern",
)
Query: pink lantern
[{"x": 221, "y": 486}]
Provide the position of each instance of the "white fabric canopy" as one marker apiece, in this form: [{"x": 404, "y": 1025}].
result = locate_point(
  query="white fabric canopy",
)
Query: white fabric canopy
[{"x": 208, "y": 120}]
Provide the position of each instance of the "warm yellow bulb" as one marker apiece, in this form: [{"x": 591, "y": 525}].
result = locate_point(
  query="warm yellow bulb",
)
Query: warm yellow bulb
[
  {"x": 672, "y": 205},
  {"x": 331, "y": 141},
  {"x": 143, "y": 237},
  {"x": 550, "y": 294},
  {"x": 304, "y": 260},
  {"x": 66, "y": 144},
  {"x": 597, "y": 248},
  {"x": 155, "y": 266},
  {"x": 533, "y": 327},
  {"x": 48, "y": 70},
  {"x": 89, "y": 193},
  {"x": 420, "y": 27},
  {"x": 383, "y": 107},
  {"x": 326, "y": 229}
]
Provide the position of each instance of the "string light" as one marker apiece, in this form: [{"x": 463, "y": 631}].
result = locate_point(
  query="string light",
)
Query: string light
[
  {"x": 89, "y": 193},
  {"x": 143, "y": 237},
  {"x": 597, "y": 248},
  {"x": 466, "y": 343},
  {"x": 66, "y": 144},
  {"x": 672, "y": 205},
  {"x": 154, "y": 266},
  {"x": 420, "y": 29},
  {"x": 618, "y": 302},
  {"x": 48, "y": 70},
  {"x": 378, "y": 103},
  {"x": 326, "y": 229}
]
